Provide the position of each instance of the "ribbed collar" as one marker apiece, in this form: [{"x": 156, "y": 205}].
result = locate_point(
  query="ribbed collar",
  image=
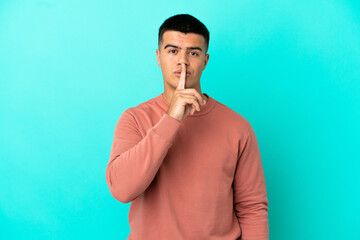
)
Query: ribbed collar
[{"x": 210, "y": 103}]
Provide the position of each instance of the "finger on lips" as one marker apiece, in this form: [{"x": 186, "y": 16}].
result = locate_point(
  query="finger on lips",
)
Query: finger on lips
[{"x": 181, "y": 84}]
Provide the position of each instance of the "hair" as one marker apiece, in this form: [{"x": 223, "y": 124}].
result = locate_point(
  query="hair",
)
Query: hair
[{"x": 184, "y": 23}]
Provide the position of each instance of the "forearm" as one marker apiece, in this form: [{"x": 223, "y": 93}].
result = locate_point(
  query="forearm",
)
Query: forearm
[{"x": 130, "y": 172}]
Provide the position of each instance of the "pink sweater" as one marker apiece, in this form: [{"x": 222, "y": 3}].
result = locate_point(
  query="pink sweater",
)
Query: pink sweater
[{"x": 201, "y": 178}]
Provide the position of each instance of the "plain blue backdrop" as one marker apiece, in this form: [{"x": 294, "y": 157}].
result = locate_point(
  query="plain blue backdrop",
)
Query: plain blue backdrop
[{"x": 68, "y": 69}]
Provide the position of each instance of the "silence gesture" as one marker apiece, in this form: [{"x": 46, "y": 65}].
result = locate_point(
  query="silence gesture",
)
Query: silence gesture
[{"x": 184, "y": 101}]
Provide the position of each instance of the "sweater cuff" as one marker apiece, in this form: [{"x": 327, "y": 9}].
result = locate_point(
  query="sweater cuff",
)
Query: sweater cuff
[{"x": 167, "y": 127}]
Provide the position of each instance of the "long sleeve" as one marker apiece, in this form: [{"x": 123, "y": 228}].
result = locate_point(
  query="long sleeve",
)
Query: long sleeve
[
  {"x": 250, "y": 196},
  {"x": 134, "y": 161}
]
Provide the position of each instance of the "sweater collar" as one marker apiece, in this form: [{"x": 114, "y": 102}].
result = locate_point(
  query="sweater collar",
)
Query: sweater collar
[{"x": 210, "y": 103}]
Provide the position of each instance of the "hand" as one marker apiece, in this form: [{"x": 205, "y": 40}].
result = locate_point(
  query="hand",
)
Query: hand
[{"x": 184, "y": 101}]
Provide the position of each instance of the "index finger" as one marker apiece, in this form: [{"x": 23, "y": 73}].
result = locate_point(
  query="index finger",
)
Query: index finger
[{"x": 181, "y": 84}]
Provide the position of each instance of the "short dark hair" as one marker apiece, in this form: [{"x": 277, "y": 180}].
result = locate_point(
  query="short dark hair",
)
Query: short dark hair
[{"x": 184, "y": 23}]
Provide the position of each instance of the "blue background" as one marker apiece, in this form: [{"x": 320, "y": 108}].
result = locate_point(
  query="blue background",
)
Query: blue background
[{"x": 68, "y": 69}]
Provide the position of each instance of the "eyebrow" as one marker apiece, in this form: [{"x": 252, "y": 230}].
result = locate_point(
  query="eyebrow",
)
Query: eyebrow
[{"x": 170, "y": 45}]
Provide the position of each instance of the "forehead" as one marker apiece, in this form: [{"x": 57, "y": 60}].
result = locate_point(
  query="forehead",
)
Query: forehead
[{"x": 183, "y": 39}]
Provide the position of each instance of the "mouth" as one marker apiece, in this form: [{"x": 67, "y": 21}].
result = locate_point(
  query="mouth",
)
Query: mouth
[{"x": 179, "y": 73}]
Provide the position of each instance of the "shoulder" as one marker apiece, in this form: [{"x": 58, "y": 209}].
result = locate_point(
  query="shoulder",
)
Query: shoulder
[
  {"x": 231, "y": 117},
  {"x": 146, "y": 106}
]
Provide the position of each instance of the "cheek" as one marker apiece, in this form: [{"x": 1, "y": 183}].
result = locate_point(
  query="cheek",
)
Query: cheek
[
  {"x": 167, "y": 67},
  {"x": 199, "y": 68}
]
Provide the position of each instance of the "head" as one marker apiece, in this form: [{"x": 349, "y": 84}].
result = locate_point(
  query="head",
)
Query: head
[{"x": 182, "y": 39}]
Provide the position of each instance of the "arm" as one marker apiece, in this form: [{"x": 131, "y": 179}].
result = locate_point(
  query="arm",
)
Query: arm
[
  {"x": 134, "y": 161},
  {"x": 250, "y": 197}
]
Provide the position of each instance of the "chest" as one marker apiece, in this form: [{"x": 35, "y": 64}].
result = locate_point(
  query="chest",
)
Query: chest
[{"x": 202, "y": 153}]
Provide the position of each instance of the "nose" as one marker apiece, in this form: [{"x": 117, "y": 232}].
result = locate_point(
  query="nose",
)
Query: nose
[{"x": 183, "y": 58}]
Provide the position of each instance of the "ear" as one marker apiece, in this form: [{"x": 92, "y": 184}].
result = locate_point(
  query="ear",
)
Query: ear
[
  {"x": 158, "y": 57},
  {"x": 206, "y": 60}
]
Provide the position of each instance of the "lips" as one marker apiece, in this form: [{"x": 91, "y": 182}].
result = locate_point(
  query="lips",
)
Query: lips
[{"x": 179, "y": 73}]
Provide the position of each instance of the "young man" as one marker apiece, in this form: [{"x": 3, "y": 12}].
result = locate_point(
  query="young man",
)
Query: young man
[{"x": 189, "y": 165}]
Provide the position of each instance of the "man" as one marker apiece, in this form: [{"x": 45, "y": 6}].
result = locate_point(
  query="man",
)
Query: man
[{"x": 189, "y": 165}]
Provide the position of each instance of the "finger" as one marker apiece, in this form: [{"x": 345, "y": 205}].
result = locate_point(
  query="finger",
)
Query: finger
[
  {"x": 193, "y": 101},
  {"x": 193, "y": 92},
  {"x": 192, "y": 110},
  {"x": 181, "y": 84}
]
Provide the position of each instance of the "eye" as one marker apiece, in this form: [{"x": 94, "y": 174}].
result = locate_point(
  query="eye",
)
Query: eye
[
  {"x": 195, "y": 53},
  {"x": 172, "y": 51}
]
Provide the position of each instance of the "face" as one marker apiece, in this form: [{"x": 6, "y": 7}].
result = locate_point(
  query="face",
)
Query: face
[{"x": 177, "y": 48}]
